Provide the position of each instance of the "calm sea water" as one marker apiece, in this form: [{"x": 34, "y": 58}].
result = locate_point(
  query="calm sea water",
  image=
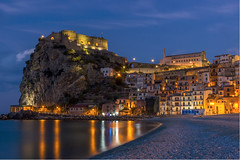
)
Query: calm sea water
[{"x": 66, "y": 139}]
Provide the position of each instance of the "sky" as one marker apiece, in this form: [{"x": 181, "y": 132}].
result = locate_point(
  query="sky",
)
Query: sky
[{"x": 136, "y": 28}]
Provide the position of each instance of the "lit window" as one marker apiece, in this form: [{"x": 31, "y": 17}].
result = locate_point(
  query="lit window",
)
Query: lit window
[
  {"x": 88, "y": 43},
  {"x": 96, "y": 44},
  {"x": 69, "y": 37},
  {"x": 52, "y": 38}
]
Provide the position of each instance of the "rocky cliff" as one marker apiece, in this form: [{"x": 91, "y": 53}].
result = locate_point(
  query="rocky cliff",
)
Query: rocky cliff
[{"x": 62, "y": 72}]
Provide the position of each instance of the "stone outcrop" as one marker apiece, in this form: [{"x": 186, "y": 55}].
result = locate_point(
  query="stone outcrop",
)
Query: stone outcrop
[{"x": 60, "y": 72}]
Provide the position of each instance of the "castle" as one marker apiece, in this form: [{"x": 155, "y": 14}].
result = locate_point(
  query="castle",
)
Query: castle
[
  {"x": 197, "y": 59},
  {"x": 85, "y": 41}
]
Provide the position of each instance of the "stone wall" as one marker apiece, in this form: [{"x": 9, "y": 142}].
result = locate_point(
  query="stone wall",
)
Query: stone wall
[{"x": 87, "y": 41}]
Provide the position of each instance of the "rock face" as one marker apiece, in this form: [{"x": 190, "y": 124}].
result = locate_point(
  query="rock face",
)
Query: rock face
[{"x": 60, "y": 72}]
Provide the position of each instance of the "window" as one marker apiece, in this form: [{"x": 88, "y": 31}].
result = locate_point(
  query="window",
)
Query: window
[
  {"x": 89, "y": 43},
  {"x": 96, "y": 44},
  {"x": 52, "y": 38}
]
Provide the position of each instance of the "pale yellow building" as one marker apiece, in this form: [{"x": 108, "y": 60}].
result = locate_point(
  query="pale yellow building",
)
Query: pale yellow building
[{"x": 197, "y": 59}]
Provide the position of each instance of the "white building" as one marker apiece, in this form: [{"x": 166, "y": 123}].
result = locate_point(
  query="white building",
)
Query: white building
[
  {"x": 225, "y": 58},
  {"x": 108, "y": 72}
]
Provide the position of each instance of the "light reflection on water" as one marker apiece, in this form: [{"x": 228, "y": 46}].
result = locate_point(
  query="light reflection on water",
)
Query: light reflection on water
[
  {"x": 42, "y": 139},
  {"x": 67, "y": 139},
  {"x": 56, "y": 140}
]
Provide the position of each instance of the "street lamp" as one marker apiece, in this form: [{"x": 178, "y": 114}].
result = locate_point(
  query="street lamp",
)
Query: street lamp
[
  {"x": 134, "y": 59},
  {"x": 152, "y": 60}
]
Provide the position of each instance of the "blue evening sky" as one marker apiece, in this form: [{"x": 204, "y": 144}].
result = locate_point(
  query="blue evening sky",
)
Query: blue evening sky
[{"x": 134, "y": 28}]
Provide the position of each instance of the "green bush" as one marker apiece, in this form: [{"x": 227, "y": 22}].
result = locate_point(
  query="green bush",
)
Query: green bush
[
  {"x": 71, "y": 51},
  {"x": 76, "y": 59}
]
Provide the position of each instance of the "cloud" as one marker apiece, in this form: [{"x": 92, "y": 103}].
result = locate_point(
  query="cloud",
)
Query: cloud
[
  {"x": 225, "y": 9},
  {"x": 7, "y": 8},
  {"x": 173, "y": 15},
  {"x": 21, "y": 55},
  {"x": 233, "y": 51}
]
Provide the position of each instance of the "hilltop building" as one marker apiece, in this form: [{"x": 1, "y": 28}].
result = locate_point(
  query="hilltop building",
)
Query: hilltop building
[
  {"x": 85, "y": 41},
  {"x": 197, "y": 59}
]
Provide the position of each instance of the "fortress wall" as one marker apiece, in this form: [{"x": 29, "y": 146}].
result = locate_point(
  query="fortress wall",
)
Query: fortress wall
[
  {"x": 56, "y": 37},
  {"x": 143, "y": 70},
  {"x": 95, "y": 42},
  {"x": 87, "y": 41},
  {"x": 71, "y": 34}
]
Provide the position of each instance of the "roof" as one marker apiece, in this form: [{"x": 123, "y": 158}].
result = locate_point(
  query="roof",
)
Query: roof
[
  {"x": 222, "y": 55},
  {"x": 177, "y": 94},
  {"x": 109, "y": 103},
  {"x": 79, "y": 106},
  {"x": 123, "y": 98},
  {"x": 183, "y": 54},
  {"x": 228, "y": 86}
]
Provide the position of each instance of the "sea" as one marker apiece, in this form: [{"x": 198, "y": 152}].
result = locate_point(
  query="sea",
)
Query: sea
[{"x": 59, "y": 139}]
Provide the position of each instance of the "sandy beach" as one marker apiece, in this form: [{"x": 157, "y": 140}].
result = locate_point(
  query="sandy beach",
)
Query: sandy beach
[{"x": 211, "y": 137}]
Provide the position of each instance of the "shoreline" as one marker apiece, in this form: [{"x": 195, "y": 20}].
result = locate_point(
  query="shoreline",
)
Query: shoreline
[
  {"x": 28, "y": 115},
  {"x": 160, "y": 125},
  {"x": 208, "y": 137}
]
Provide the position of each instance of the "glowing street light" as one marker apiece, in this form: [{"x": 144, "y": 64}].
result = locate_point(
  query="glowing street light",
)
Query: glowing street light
[
  {"x": 152, "y": 60},
  {"x": 134, "y": 59}
]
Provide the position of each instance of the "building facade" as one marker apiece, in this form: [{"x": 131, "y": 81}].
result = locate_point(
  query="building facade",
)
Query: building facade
[{"x": 197, "y": 59}]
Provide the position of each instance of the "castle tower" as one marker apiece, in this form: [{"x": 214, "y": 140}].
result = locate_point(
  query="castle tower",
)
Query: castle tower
[{"x": 164, "y": 53}]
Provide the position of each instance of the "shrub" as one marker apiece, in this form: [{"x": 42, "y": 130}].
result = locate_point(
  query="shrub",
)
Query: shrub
[
  {"x": 76, "y": 59},
  {"x": 71, "y": 51}
]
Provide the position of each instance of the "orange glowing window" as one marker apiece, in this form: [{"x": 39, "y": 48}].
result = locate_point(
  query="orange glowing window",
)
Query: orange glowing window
[
  {"x": 96, "y": 44},
  {"x": 88, "y": 43},
  {"x": 69, "y": 37},
  {"x": 52, "y": 38}
]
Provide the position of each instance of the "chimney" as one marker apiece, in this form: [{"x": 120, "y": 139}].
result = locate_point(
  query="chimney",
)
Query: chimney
[{"x": 164, "y": 53}]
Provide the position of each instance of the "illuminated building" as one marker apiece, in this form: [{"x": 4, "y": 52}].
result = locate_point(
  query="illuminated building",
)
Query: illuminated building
[
  {"x": 108, "y": 72},
  {"x": 82, "y": 109},
  {"x": 225, "y": 59},
  {"x": 87, "y": 41},
  {"x": 197, "y": 59},
  {"x": 110, "y": 109},
  {"x": 17, "y": 108}
]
